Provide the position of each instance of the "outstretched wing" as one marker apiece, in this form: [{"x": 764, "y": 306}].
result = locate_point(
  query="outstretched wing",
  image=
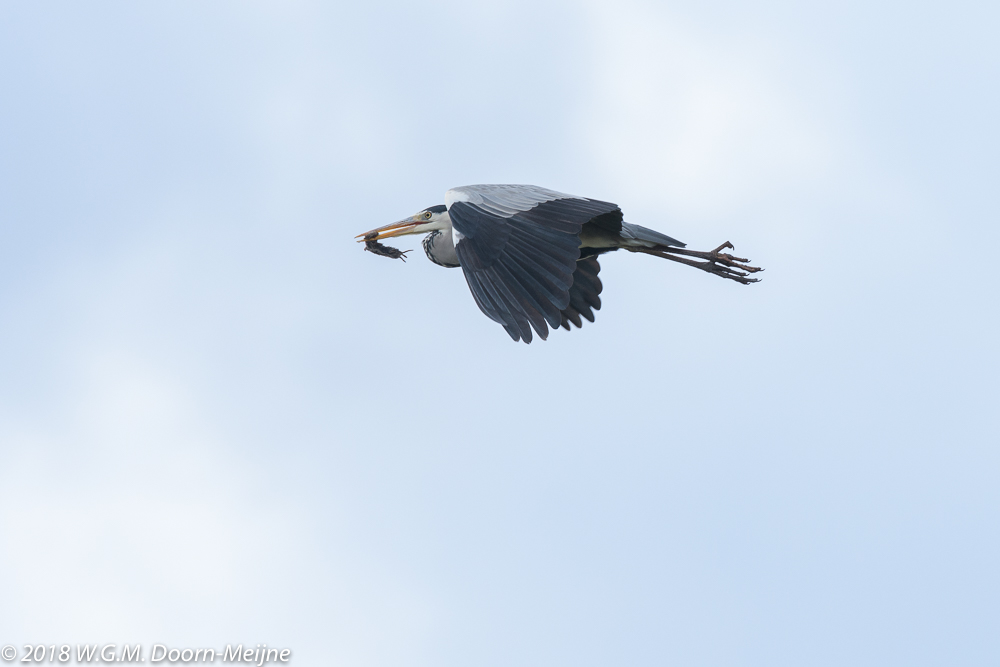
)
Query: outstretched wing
[
  {"x": 584, "y": 294},
  {"x": 519, "y": 246}
]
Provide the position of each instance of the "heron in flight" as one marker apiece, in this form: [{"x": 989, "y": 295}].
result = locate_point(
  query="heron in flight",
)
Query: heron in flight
[{"x": 530, "y": 255}]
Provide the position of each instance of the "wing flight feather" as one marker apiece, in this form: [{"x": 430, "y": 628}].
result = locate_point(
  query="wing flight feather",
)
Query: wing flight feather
[
  {"x": 519, "y": 248},
  {"x": 584, "y": 296}
]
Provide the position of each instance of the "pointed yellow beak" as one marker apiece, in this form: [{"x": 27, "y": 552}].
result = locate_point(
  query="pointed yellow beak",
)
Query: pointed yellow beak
[{"x": 395, "y": 229}]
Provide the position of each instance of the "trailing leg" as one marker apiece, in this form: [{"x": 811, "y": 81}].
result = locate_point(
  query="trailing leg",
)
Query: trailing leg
[{"x": 715, "y": 261}]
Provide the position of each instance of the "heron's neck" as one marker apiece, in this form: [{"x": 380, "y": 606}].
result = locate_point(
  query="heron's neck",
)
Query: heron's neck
[{"x": 440, "y": 248}]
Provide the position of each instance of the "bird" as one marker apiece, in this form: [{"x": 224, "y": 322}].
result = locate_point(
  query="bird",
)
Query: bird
[{"x": 531, "y": 255}]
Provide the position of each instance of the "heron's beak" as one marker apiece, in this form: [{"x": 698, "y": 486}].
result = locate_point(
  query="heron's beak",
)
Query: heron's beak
[{"x": 395, "y": 229}]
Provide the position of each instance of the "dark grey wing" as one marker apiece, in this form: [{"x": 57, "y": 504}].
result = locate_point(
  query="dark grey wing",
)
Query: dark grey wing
[
  {"x": 518, "y": 246},
  {"x": 584, "y": 294}
]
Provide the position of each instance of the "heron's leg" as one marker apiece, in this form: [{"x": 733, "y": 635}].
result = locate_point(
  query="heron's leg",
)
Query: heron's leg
[{"x": 715, "y": 261}]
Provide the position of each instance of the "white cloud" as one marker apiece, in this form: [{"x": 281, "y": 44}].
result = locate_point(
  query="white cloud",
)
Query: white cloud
[{"x": 125, "y": 509}]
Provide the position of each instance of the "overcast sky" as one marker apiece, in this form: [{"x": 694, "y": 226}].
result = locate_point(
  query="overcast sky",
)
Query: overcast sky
[{"x": 222, "y": 422}]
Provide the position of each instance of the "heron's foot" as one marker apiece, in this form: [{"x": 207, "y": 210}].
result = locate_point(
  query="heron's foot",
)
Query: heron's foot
[
  {"x": 715, "y": 261},
  {"x": 725, "y": 265}
]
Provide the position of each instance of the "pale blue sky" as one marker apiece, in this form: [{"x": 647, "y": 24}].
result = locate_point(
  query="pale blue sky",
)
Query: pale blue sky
[{"x": 222, "y": 422}]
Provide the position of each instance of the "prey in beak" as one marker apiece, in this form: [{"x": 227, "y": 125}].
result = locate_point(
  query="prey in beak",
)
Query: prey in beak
[
  {"x": 395, "y": 229},
  {"x": 373, "y": 246}
]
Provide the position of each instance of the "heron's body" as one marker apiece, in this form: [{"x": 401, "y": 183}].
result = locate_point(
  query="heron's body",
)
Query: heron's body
[{"x": 530, "y": 255}]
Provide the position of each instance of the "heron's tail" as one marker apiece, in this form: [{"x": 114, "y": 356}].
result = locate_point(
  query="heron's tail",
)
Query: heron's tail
[{"x": 644, "y": 235}]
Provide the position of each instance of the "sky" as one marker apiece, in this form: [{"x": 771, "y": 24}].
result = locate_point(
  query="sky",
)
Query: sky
[{"x": 222, "y": 422}]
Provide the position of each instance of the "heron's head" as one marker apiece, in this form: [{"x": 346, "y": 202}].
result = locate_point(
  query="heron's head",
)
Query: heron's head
[{"x": 429, "y": 219}]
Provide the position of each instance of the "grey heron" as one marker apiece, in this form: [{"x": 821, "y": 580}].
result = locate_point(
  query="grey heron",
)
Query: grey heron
[{"x": 530, "y": 255}]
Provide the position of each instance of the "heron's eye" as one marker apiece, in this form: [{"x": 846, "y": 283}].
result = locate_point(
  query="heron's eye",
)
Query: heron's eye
[{"x": 427, "y": 215}]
